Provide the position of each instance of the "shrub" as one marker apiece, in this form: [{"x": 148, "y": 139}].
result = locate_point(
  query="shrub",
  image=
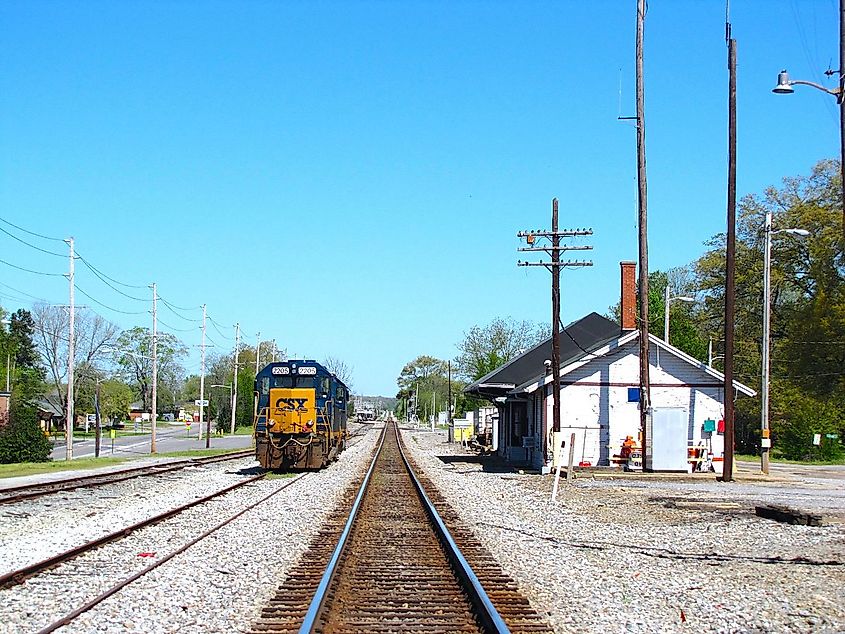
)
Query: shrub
[
  {"x": 22, "y": 439},
  {"x": 798, "y": 418}
]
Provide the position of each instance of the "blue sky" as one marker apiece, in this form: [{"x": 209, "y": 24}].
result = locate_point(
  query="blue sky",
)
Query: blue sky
[{"x": 349, "y": 177}]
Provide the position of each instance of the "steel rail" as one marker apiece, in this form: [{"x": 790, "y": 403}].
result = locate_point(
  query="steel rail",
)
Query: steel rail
[
  {"x": 29, "y": 491},
  {"x": 489, "y": 618},
  {"x": 116, "y": 588},
  {"x": 19, "y": 576},
  {"x": 321, "y": 594}
]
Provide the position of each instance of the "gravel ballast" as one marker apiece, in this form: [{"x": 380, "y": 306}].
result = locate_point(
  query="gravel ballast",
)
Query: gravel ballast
[
  {"x": 217, "y": 585},
  {"x": 623, "y": 555}
]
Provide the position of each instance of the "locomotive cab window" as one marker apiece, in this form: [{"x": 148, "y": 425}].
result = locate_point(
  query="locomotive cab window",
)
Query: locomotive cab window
[
  {"x": 324, "y": 387},
  {"x": 282, "y": 381},
  {"x": 339, "y": 393},
  {"x": 265, "y": 385},
  {"x": 304, "y": 381}
]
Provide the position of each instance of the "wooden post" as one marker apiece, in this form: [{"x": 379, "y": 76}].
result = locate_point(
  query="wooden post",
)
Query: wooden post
[
  {"x": 571, "y": 456},
  {"x": 645, "y": 383}
]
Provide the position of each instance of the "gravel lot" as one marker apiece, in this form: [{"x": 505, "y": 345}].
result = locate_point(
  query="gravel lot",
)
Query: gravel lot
[
  {"x": 218, "y": 585},
  {"x": 653, "y": 554}
]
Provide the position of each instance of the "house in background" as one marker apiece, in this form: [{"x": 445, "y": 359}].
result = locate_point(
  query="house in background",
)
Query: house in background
[{"x": 599, "y": 397}]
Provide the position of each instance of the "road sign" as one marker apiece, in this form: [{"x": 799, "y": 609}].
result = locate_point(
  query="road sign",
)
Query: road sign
[{"x": 203, "y": 402}]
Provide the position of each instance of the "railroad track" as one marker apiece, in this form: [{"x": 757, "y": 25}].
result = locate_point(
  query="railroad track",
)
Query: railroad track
[
  {"x": 29, "y": 491},
  {"x": 390, "y": 564},
  {"x": 113, "y": 576}
]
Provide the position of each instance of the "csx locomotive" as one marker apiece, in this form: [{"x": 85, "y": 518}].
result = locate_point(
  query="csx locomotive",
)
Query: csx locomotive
[{"x": 300, "y": 415}]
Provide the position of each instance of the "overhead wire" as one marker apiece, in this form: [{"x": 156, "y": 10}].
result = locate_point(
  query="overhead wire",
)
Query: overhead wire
[
  {"x": 172, "y": 305},
  {"x": 215, "y": 325},
  {"x": 32, "y": 246},
  {"x": 106, "y": 306},
  {"x": 168, "y": 326},
  {"x": 20, "y": 268},
  {"x": 32, "y": 233},
  {"x": 17, "y": 290},
  {"x": 101, "y": 275},
  {"x": 167, "y": 305}
]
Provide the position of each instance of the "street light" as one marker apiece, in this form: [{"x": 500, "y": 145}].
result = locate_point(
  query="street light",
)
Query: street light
[
  {"x": 765, "y": 442},
  {"x": 666, "y": 301},
  {"x": 785, "y": 84}
]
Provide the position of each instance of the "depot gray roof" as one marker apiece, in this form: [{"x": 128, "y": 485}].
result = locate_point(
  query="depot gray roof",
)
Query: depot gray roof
[{"x": 575, "y": 339}]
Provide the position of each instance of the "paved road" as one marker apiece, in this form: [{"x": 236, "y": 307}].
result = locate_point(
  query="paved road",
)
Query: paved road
[{"x": 168, "y": 438}]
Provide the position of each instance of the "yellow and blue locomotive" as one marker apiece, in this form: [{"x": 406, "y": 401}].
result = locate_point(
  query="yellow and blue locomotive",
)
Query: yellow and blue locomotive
[{"x": 300, "y": 419}]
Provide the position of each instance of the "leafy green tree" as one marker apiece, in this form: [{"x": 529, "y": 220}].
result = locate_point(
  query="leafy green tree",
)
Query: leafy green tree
[
  {"x": 807, "y": 301},
  {"x": 20, "y": 357},
  {"x": 485, "y": 348},
  {"x": 22, "y": 439},
  {"x": 134, "y": 358},
  {"x": 115, "y": 400}
]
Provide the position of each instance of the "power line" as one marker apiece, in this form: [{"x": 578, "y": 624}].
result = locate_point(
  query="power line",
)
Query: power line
[
  {"x": 179, "y": 307},
  {"x": 40, "y": 299},
  {"x": 99, "y": 273},
  {"x": 116, "y": 290},
  {"x": 32, "y": 246},
  {"x": 32, "y": 233},
  {"x": 168, "y": 326},
  {"x": 20, "y": 268},
  {"x": 215, "y": 324},
  {"x": 106, "y": 306},
  {"x": 171, "y": 309}
]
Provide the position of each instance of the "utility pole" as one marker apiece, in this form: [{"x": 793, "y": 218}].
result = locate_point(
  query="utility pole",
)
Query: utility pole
[
  {"x": 841, "y": 99},
  {"x": 257, "y": 354},
  {"x": 642, "y": 198},
  {"x": 155, "y": 375},
  {"x": 554, "y": 250},
  {"x": 433, "y": 409},
  {"x": 274, "y": 351},
  {"x": 202, "y": 383},
  {"x": 449, "y": 399},
  {"x": 98, "y": 423},
  {"x": 70, "y": 354},
  {"x": 730, "y": 261},
  {"x": 235, "y": 380}
]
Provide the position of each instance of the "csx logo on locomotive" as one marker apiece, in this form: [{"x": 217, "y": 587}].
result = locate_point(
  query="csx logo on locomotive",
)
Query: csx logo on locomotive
[{"x": 291, "y": 405}]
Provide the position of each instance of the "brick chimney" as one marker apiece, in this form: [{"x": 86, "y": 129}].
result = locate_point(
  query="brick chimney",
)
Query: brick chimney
[{"x": 628, "y": 296}]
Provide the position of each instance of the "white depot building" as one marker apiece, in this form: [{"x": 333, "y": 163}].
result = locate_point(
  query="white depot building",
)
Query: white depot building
[{"x": 599, "y": 397}]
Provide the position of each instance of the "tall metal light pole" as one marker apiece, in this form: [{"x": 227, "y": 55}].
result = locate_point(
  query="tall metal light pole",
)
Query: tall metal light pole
[
  {"x": 784, "y": 87},
  {"x": 765, "y": 441},
  {"x": 666, "y": 301}
]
